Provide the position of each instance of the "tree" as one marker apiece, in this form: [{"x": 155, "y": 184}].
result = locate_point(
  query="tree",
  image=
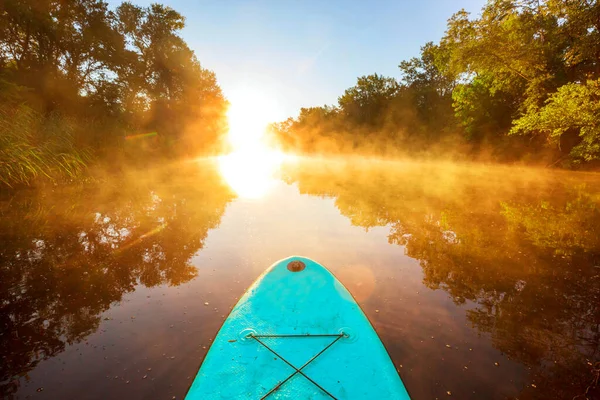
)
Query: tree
[
  {"x": 579, "y": 24},
  {"x": 105, "y": 75},
  {"x": 430, "y": 88},
  {"x": 165, "y": 78},
  {"x": 508, "y": 71},
  {"x": 508, "y": 62},
  {"x": 482, "y": 111},
  {"x": 59, "y": 49},
  {"x": 428, "y": 70},
  {"x": 366, "y": 102},
  {"x": 573, "y": 110}
]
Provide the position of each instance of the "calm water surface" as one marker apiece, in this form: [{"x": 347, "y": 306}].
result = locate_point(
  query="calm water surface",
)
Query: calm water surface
[{"x": 483, "y": 282}]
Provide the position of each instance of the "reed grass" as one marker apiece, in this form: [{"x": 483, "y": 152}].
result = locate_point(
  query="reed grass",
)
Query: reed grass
[{"x": 35, "y": 147}]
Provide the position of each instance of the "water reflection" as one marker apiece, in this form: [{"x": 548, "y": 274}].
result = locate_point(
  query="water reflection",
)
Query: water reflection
[
  {"x": 251, "y": 171},
  {"x": 68, "y": 255},
  {"x": 523, "y": 250},
  {"x": 459, "y": 268}
]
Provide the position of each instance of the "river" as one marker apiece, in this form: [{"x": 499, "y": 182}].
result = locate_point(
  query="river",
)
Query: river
[{"x": 482, "y": 281}]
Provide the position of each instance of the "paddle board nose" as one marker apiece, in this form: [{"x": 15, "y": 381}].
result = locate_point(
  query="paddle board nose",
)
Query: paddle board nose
[{"x": 297, "y": 333}]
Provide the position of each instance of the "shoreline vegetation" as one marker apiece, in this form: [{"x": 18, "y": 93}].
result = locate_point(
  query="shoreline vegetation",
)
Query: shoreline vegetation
[
  {"x": 83, "y": 84},
  {"x": 518, "y": 83}
]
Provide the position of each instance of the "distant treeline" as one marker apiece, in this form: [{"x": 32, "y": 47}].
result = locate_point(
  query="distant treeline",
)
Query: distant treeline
[
  {"x": 520, "y": 82},
  {"x": 79, "y": 81}
]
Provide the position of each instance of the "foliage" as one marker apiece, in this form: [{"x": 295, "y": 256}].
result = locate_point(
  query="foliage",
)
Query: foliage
[
  {"x": 521, "y": 66},
  {"x": 32, "y": 146},
  {"x": 565, "y": 228},
  {"x": 93, "y": 244},
  {"x": 108, "y": 74},
  {"x": 481, "y": 111},
  {"x": 525, "y": 273},
  {"x": 378, "y": 114},
  {"x": 574, "y": 107},
  {"x": 364, "y": 103}
]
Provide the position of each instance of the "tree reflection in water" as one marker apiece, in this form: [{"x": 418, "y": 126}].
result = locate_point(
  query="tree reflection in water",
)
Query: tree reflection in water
[
  {"x": 518, "y": 251},
  {"x": 67, "y": 254},
  {"x": 524, "y": 249}
]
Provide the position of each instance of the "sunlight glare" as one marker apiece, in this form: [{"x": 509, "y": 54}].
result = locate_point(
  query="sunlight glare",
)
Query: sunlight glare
[
  {"x": 249, "y": 114},
  {"x": 250, "y": 168},
  {"x": 250, "y": 173}
]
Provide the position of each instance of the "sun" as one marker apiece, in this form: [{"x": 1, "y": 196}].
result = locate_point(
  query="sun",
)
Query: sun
[
  {"x": 249, "y": 114},
  {"x": 251, "y": 166}
]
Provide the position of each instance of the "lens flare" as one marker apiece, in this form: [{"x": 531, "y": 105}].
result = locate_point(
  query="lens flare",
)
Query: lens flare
[{"x": 141, "y": 136}]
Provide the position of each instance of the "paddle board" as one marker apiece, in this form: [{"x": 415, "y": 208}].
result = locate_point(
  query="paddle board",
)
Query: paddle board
[{"x": 297, "y": 333}]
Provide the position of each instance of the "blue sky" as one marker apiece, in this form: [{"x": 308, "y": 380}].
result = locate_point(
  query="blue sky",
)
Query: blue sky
[{"x": 301, "y": 53}]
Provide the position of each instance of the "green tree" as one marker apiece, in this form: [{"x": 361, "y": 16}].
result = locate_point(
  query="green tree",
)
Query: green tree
[
  {"x": 106, "y": 75},
  {"x": 482, "y": 111},
  {"x": 573, "y": 108},
  {"x": 367, "y": 101},
  {"x": 580, "y": 27},
  {"x": 429, "y": 88},
  {"x": 165, "y": 79},
  {"x": 520, "y": 67},
  {"x": 58, "y": 49}
]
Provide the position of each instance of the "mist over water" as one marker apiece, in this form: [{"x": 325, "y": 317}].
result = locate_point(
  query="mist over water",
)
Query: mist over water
[
  {"x": 482, "y": 281},
  {"x": 122, "y": 253}
]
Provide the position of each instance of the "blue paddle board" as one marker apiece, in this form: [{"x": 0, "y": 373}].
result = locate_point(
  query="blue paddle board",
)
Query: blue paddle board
[{"x": 297, "y": 333}]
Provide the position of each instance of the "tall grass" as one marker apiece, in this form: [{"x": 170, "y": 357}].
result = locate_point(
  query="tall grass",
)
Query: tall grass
[{"x": 35, "y": 147}]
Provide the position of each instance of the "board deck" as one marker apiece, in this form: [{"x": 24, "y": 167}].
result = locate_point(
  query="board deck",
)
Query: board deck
[{"x": 297, "y": 333}]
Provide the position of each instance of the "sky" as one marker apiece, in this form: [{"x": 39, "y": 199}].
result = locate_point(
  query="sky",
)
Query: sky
[{"x": 304, "y": 53}]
